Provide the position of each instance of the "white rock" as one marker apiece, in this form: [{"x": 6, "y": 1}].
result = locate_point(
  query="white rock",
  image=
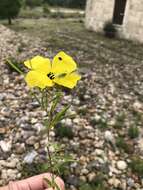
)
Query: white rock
[
  {"x": 91, "y": 176},
  {"x": 11, "y": 173},
  {"x": 31, "y": 140},
  {"x": 130, "y": 182},
  {"x": 34, "y": 120},
  {"x": 99, "y": 152},
  {"x": 109, "y": 136},
  {"x": 39, "y": 127},
  {"x": 121, "y": 165},
  {"x": 76, "y": 101},
  {"x": 84, "y": 171},
  {"x": 20, "y": 148},
  {"x": 114, "y": 181},
  {"x": 30, "y": 157},
  {"x": 5, "y": 146},
  {"x": 87, "y": 97},
  {"x": 4, "y": 174},
  {"x": 137, "y": 106},
  {"x": 12, "y": 164},
  {"x": 97, "y": 117},
  {"x": 76, "y": 120},
  {"x": 68, "y": 122}
]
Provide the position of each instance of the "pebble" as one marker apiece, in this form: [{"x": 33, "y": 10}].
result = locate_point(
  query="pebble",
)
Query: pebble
[
  {"x": 114, "y": 182},
  {"x": 5, "y": 146},
  {"x": 39, "y": 127},
  {"x": 130, "y": 182},
  {"x": 31, "y": 140},
  {"x": 76, "y": 120},
  {"x": 121, "y": 165},
  {"x": 99, "y": 152},
  {"x": 84, "y": 171},
  {"x": 91, "y": 176},
  {"x": 12, "y": 163},
  {"x": 29, "y": 158},
  {"x": 20, "y": 148},
  {"x": 109, "y": 137},
  {"x": 68, "y": 122},
  {"x": 72, "y": 180}
]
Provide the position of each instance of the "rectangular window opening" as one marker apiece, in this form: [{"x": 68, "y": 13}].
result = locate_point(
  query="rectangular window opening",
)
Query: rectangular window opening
[{"x": 119, "y": 11}]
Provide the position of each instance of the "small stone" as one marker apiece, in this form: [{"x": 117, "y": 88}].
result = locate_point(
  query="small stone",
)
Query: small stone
[
  {"x": 109, "y": 136},
  {"x": 11, "y": 173},
  {"x": 39, "y": 127},
  {"x": 123, "y": 184},
  {"x": 91, "y": 176},
  {"x": 5, "y": 146},
  {"x": 99, "y": 152},
  {"x": 121, "y": 165},
  {"x": 83, "y": 178},
  {"x": 97, "y": 117},
  {"x": 84, "y": 171},
  {"x": 30, "y": 157},
  {"x": 137, "y": 106},
  {"x": 20, "y": 148},
  {"x": 36, "y": 146},
  {"x": 76, "y": 101},
  {"x": 34, "y": 120},
  {"x": 12, "y": 164},
  {"x": 130, "y": 182},
  {"x": 2, "y": 130},
  {"x": 114, "y": 182},
  {"x": 73, "y": 165},
  {"x": 4, "y": 174},
  {"x": 31, "y": 140},
  {"x": 72, "y": 180},
  {"x": 52, "y": 134},
  {"x": 87, "y": 97},
  {"x": 76, "y": 121},
  {"x": 68, "y": 122}
]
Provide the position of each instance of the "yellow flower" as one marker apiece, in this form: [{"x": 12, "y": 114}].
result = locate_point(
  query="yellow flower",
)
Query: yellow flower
[{"x": 43, "y": 73}]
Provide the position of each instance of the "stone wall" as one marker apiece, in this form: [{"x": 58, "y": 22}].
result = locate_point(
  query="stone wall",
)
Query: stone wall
[
  {"x": 101, "y": 11},
  {"x": 97, "y": 13},
  {"x": 133, "y": 21}
]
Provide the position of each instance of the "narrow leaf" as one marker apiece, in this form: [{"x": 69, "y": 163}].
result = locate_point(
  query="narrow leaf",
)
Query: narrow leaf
[
  {"x": 55, "y": 102},
  {"x": 59, "y": 116},
  {"x": 48, "y": 182},
  {"x": 14, "y": 67}
]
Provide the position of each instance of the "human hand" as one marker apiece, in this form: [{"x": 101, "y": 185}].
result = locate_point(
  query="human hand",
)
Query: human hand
[{"x": 34, "y": 183}]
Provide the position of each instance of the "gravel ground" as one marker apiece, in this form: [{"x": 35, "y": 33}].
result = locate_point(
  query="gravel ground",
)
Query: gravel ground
[{"x": 107, "y": 132}]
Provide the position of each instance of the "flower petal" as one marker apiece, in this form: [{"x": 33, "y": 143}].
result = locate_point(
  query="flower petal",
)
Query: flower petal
[
  {"x": 36, "y": 79},
  {"x": 63, "y": 63},
  {"x": 69, "y": 81},
  {"x": 39, "y": 63}
]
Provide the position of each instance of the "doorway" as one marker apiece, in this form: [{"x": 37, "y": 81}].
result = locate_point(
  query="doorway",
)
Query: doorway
[{"x": 119, "y": 11}]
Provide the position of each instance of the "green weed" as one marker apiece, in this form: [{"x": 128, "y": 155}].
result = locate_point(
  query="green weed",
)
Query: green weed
[
  {"x": 133, "y": 132},
  {"x": 137, "y": 166}
]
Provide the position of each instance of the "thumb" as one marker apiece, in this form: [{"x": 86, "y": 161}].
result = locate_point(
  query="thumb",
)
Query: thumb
[{"x": 35, "y": 183}]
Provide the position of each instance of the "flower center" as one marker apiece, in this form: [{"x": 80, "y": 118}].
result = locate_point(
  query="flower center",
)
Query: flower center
[{"x": 51, "y": 76}]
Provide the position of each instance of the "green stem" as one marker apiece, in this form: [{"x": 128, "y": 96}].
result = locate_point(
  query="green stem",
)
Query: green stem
[
  {"x": 36, "y": 98},
  {"x": 42, "y": 99}
]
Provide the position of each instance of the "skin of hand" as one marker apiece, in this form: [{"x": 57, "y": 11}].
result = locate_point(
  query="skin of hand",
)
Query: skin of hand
[{"x": 34, "y": 183}]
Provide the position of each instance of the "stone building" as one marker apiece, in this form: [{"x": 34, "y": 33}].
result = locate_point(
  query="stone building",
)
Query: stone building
[{"x": 126, "y": 15}]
